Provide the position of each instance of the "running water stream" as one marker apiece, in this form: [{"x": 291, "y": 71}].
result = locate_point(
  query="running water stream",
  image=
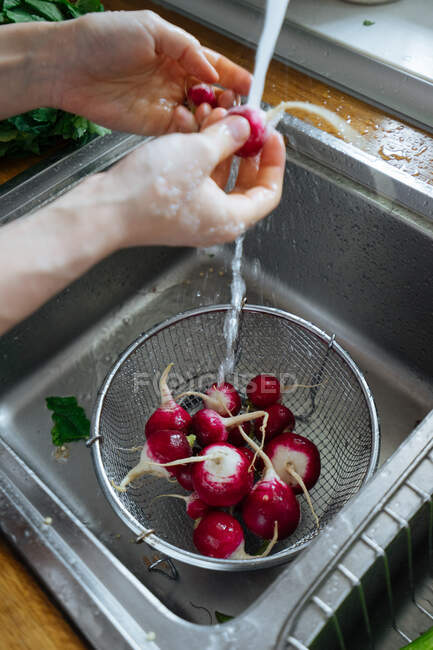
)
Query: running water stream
[{"x": 275, "y": 12}]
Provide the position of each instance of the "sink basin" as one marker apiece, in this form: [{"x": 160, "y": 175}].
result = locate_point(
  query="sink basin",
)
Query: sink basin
[{"x": 349, "y": 248}]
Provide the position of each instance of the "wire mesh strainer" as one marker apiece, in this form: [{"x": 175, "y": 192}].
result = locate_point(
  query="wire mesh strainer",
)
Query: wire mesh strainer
[{"x": 338, "y": 415}]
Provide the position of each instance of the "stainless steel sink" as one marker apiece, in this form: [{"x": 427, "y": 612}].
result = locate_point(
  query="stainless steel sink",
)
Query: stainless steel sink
[{"x": 349, "y": 248}]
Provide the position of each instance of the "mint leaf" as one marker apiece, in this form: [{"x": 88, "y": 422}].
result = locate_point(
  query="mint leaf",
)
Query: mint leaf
[
  {"x": 368, "y": 23},
  {"x": 70, "y": 421},
  {"x": 222, "y": 618}
]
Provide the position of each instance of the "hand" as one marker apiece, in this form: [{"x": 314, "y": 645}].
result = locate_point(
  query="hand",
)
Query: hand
[
  {"x": 128, "y": 71},
  {"x": 164, "y": 193}
]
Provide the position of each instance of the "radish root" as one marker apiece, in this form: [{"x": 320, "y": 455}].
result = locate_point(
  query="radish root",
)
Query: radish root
[
  {"x": 272, "y": 542},
  {"x": 296, "y": 476}
]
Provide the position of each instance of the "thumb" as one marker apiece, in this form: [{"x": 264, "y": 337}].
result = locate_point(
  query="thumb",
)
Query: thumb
[{"x": 225, "y": 137}]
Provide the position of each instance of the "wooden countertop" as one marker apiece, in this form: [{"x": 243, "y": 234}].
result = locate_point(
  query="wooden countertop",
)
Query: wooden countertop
[{"x": 28, "y": 617}]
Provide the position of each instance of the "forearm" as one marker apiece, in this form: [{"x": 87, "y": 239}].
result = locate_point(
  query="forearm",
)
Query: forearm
[
  {"x": 29, "y": 54},
  {"x": 43, "y": 253}
]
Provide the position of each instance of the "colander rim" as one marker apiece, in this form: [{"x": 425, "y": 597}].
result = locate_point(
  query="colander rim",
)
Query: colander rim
[{"x": 152, "y": 539}]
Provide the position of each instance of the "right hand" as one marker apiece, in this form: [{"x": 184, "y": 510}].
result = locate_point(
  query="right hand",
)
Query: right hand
[{"x": 163, "y": 193}]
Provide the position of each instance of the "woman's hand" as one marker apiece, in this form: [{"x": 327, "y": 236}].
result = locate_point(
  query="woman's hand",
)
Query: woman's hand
[
  {"x": 128, "y": 71},
  {"x": 166, "y": 192}
]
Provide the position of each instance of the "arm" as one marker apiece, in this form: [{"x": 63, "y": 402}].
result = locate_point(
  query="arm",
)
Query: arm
[
  {"x": 145, "y": 199},
  {"x": 27, "y": 66}
]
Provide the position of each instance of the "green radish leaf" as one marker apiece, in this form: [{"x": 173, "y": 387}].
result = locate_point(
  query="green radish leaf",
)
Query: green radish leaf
[
  {"x": 222, "y": 618},
  {"x": 70, "y": 421}
]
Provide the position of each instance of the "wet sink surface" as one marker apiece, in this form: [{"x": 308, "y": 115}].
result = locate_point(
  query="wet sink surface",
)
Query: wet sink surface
[{"x": 351, "y": 263}]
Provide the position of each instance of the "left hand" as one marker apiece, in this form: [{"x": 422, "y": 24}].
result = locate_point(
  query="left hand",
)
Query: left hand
[{"x": 128, "y": 71}]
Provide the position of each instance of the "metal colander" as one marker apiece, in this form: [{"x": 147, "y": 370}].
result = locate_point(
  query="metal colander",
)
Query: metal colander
[{"x": 338, "y": 414}]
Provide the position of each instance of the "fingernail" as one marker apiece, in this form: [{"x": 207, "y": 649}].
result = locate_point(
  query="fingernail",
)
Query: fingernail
[{"x": 239, "y": 128}]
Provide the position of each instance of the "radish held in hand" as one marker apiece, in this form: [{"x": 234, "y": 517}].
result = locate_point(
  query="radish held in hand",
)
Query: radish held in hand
[
  {"x": 297, "y": 462},
  {"x": 263, "y": 390},
  {"x": 210, "y": 427},
  {"x": 169, "y": 415},
  {"x": 280, "y": 418},
  {"x": 258, "y": 130},
  {"x": 201, "y": 94},
  {"x": 220, "y": 535},
  {"x": 224, "y": 478},
  {"x": 222, "y": 398},
  {"x": 160, "y": 448},
  {"x": 195, "y": 507}
]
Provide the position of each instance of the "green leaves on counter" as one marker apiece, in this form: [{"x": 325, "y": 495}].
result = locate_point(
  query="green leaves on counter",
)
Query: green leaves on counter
[
  {"x": 25, "y": 11},
  {"x": 70, "y": 421}
]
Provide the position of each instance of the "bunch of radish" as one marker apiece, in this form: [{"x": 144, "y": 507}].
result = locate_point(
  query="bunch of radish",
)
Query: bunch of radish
[{"x": 210, "y": 454}]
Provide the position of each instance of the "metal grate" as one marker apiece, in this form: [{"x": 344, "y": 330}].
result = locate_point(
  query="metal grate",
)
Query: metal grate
[{"x": 338, "y": 415}]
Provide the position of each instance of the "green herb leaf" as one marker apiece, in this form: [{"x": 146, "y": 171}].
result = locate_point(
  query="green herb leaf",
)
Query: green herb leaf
[
  {"x": 424, "y": 642},
  {"x": 263, "y": 546},
  {"x": 191, "y": 439},
  {"x": 222, "y": 618},
  {"x": 70, "y": 421},
  {"x": 368, "y": 23},
  {"x": 48, "y": 10}
]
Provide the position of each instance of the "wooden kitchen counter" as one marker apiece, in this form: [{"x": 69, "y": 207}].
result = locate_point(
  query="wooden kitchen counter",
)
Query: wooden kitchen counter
[{"x": 28, "y": 618}]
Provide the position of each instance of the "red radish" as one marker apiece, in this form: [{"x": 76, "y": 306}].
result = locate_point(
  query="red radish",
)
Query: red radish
[
  {"x": 270, "y": 501},
  {"x": 201, "y": 94},
  {"x": 221, "y": 476},
  {"x": 297, "y": 462},
  {"x": 291, "y": 451},
  {"x": 195, "y": 507},
  {"x": 250, "y": 457},
  {"x": 169, "y": 415},
  {"x": 220, "y": 535},
  {"x": 224, "y": 478},
  {"x": 258, "y": 130},
  {"x": 263, "y": 390},
  {"x": 211, "y": 427},
  {"x": 222, "y": 398},
  {"x": 184, "y": 477},
  {"x": 160, "y": 448},
  {"x": 235, "y": 436},
  {"x": 280, "y": 418}
]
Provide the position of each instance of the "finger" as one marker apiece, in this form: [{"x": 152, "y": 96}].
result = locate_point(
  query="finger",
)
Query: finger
[
  {"x": 213, "y": 116},
  {"x": 256, "y": 202},
  {"x": 230, "y": 74},
  {"x": 227, "y": 99},
  {"x": 183, "y": 121},
  {"x": 221, "y": 173},
  {"x": 202, "y": 112},
  {"x": 179, "y": 45},
  {"x": 223, "y": 138},
  {"x": 247, "y": 174}
]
